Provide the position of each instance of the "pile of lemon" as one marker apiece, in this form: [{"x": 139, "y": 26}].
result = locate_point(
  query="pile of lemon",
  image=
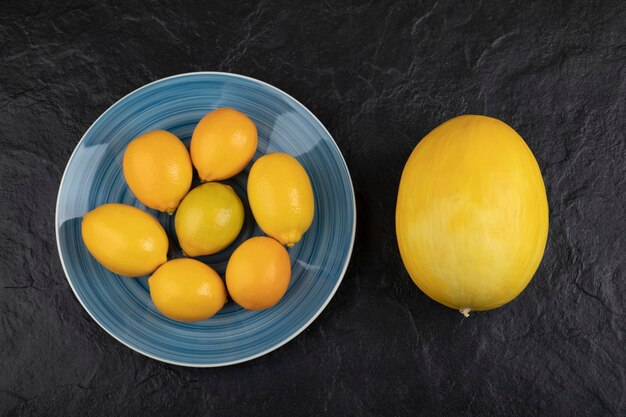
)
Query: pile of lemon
[{"x": 159, "y": 170}]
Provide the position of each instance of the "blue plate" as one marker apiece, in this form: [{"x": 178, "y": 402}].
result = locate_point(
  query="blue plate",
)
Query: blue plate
[{"x": 122, "y": 306}]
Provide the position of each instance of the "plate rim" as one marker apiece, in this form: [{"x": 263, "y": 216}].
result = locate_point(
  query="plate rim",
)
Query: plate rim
[{"x": 271, "y": 348}]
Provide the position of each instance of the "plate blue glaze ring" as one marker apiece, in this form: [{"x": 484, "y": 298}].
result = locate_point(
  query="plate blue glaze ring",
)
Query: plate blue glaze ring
[{"x": 122, "y": 306}]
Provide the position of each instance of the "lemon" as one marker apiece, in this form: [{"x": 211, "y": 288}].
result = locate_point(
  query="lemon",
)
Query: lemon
[
  {"x": 208, "y": 219},
  {"x": 472, "y": 214},
  {"x": 124, "y": 239},
  {"x": 187, "y": 290},
  {"x": 222, "y": 144},
  {"x": 281, "y": 197},
  {"x": 158, "y": 170},
  {"x": 258, "y": 273}
]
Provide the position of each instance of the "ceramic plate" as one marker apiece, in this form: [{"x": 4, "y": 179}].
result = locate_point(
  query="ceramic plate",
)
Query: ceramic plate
[{"x": 122, "y": 306}]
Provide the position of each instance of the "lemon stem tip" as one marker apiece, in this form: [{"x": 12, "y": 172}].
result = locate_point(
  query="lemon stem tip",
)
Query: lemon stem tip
[{"x": 465, "y": 311}]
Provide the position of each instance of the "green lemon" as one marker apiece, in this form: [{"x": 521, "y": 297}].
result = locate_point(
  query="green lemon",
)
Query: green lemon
[{"x": 208, "y": 219}]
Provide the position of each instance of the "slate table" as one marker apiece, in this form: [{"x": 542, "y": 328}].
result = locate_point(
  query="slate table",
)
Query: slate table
[{"x": 379, "y": 75}]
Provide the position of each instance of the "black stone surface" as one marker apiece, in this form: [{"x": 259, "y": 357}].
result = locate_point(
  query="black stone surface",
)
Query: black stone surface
[{"x": 379, "y": 75}]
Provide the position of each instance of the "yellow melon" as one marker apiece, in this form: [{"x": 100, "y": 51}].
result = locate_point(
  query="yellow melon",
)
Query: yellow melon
[{"x": 472, "y": 214}]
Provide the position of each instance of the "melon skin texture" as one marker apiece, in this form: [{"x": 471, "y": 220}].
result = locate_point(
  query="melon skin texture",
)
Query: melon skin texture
[{"x": 472, "y": 214}]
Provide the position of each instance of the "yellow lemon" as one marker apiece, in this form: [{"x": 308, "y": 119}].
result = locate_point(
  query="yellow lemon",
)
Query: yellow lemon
[
  {"x": 258, "y": 273},
  {"x": 124, "y": 239},
  {"x": 187, "y": 290},
  {"x": 281, "y": 197},
  {"x": 222, "y": 144},
  {"x": 472, "y": 214},
  {"x": 209, "y": 219},
  {"x": 157, "y": 168}
]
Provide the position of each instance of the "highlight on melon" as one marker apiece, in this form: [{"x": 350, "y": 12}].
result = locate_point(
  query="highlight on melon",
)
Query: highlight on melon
[{"x": 472, "y": 214}]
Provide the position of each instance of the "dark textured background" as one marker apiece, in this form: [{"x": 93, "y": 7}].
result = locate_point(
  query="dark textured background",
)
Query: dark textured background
[{"x": 380, "y": 76}]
